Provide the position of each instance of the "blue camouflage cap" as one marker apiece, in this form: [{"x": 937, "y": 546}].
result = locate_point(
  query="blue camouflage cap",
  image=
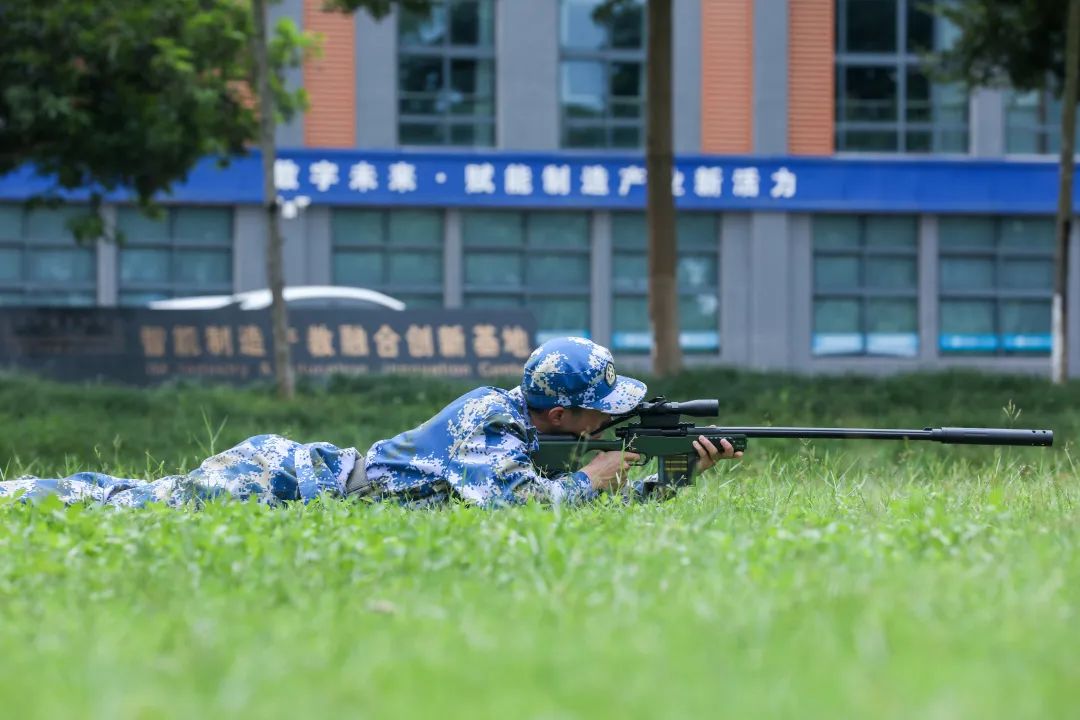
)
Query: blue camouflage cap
[{"x": 576, "y": 372}]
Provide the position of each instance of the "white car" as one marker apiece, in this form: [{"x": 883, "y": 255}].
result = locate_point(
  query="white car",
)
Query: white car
[{"x": 303, "y": 296}]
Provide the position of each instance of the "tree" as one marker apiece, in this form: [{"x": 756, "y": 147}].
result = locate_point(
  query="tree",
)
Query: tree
[
  {"x": 267, "y": 82},
  {"x": 660, "y": 208},
  {"x": 124, "y": 94},
  {"x": 1028, "y": 45},
  {"x": 659, "y": 166},
  {"x": 132, "y": 94},
  {"x": 269, "y": 58}
]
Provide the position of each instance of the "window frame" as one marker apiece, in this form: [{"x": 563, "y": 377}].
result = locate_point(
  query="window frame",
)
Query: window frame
[
  {"x": 386, "y": 247},
  {"x": 1047, "y": 132},
  {"x": 713, "y": 252},
  {"x": 526, "y": 293},
  {"x": 447, "y": 52},
  {"x": 608, "y": 56},
  {"x": 176, "y": 247},
  {"x": 863, "y": 293},
  {"x": 902, "y": 60},
  {"x": 26, "y": 289},
  {"x": 1000, "y": 256}
]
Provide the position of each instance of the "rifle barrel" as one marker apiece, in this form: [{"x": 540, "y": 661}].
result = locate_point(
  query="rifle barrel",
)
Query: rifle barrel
[{"x": 948, "y": 435}]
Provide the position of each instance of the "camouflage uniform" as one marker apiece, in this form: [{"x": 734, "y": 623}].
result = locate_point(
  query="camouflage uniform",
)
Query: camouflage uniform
[
  {"x": 476, "y": 449},
  {"x": 270, "y": 468}
]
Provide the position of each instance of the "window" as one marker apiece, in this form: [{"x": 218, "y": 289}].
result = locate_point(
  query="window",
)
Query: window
[
  {"x": 697, "y": 272},
  {"x": 539, "y": 260},
  {"x": 885, "y": 102},
  {"x": 397, "y": 252},
  {"x": 602, "y": 76},
  {"x": 40, "y": 262},
  {"x": 865, "y": 285},
  {"x": 188, "y": 251},
  {"x": 446, "y": 74},
  {"x": 1033, "y": 123},
  {"x": 996, "y": 280}
]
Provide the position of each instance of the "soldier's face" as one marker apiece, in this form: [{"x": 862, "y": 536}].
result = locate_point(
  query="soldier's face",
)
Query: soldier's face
[
  {"x": 581, "y": 421},
  {"x": 575, "y": 421}
]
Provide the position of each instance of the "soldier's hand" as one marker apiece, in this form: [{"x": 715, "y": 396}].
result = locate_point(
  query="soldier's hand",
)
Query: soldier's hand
[
  {"x": 708, "y": 453},
  {"x": 608, "y": 470}
]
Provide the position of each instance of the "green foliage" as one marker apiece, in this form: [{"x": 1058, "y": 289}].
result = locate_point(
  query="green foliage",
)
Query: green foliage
[
  {"x": 289, "y": 47},
  {"x": 132, "y": 93},
  {"x": 808, "y": 581},
  {"x": 1019, "y": 43}
]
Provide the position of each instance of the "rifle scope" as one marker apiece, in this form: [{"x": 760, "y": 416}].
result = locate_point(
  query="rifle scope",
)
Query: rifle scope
[{"x": 693, "y": 408}]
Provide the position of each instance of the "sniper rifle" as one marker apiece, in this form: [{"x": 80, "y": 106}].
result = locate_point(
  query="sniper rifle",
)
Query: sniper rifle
[{"x": 660, "y": 433}]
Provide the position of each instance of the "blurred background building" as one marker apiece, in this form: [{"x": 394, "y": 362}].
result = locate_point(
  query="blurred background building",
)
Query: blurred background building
[{"x": 920, "y": 234}]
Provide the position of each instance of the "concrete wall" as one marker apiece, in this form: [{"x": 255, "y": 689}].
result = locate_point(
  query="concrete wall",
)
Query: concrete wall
[
  {"x": 527, "y": 75},
  {"x": 376, "y": 81}
]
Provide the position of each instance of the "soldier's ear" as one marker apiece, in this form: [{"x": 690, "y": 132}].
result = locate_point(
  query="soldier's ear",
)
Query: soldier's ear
[{"x": 555, "y": 415}]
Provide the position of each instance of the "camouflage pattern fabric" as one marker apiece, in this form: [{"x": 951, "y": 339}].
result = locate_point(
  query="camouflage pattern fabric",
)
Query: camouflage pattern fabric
[
  {"x": 477, "y": 449},
  {"x": 576, "y": 372},
  {"x": 269, "y": 468}
]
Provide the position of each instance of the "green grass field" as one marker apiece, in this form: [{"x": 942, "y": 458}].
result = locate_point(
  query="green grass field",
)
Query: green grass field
[{"x": 819, "y": 580}]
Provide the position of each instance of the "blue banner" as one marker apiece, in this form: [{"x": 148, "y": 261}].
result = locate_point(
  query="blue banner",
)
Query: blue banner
[{"x": 305, "y": 177}]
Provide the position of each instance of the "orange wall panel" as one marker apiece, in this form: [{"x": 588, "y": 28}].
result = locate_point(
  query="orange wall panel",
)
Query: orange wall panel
[
  {"x": 811, "y": 77},
  {"x": 727, "y": 75},
  {"x": 330, "y": 79}
]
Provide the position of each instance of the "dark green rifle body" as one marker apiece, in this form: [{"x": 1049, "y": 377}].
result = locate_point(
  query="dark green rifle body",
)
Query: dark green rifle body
[{"x": 659, "y": 433}]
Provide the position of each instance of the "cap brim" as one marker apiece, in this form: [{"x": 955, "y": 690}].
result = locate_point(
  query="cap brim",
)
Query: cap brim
[{"x": 626, "y": 395}]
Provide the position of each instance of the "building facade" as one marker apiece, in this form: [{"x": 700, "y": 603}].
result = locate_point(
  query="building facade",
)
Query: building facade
[{"x": 838, "y": 209}]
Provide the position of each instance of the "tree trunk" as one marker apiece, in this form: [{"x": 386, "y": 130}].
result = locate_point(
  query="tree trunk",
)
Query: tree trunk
[
  {"x": 283, "y": 374},
  {"x": 660, "y": 210},
  {"x": 1060, "y": 357}
]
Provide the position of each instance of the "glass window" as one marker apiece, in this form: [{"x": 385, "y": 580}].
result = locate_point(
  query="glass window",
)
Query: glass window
[
  {"x": 1033, "y": 123},
  {"x": 10, "y": 265},
  {"x": 539, "y": 260},
  {"x": 149, "y": 264},
  {"x": 996, "y": 279},
  {"x": 602, "y": 75},
  {"x": 202, "y": 269},
  {"x": 865, "y": 285},
  {"x": 869, "y": 94},
  {"x": 492, "y": 228},
  {"x": 869, "y": 26},
  {"x": 578, "y": 29},
  {"x": 446, "y": 74},
  {"x": 202, "y": 226},
  {"x": 40, "y": 262},
  {"x": 493, "y": 269},
  {"x": 184, "y": 251},
  {"x": 885, "y": 101},
  {"x": 397, "y": 252},
  {"x": 11, "y": 222},
  {"x": 697, "y": 271}
]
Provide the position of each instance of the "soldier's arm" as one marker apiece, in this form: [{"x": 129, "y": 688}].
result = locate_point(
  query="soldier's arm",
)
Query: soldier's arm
[{"x": 492, "y": 467}]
